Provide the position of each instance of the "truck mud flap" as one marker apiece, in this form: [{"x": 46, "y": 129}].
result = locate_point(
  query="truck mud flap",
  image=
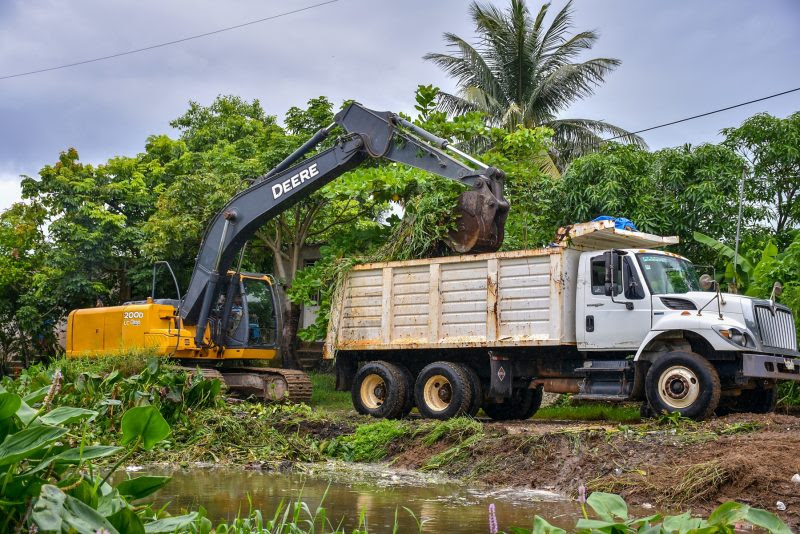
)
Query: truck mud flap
[
  {"x": 769, "y": 366},
  {"x": 501, "y": 379}
]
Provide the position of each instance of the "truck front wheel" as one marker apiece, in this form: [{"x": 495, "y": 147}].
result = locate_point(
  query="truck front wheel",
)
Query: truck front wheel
[
  {"x": 683, "y": 382},
  {"x": 443, "y": 390},
  {"x": 380, "y": 389}
]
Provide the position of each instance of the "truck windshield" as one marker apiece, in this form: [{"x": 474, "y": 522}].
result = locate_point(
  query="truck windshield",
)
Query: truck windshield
[{"x": 668, "y": 274}]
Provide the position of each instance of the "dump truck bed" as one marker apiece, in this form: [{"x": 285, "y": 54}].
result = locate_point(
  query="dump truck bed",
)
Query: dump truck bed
[
  {"x": 495, "y": 300},
  {"x": 485, "y": 300}
]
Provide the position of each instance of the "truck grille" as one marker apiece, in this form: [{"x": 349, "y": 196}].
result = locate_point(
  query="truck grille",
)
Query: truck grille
[{"x": 776, "y": 326}]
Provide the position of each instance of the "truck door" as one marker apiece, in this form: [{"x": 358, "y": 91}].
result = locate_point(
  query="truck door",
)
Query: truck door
[{"x": 612, "y": 322}]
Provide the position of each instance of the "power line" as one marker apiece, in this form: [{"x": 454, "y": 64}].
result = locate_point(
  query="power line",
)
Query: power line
[
  {"x": 705, "y": 114},
  {"x": 168, "y": 43}
]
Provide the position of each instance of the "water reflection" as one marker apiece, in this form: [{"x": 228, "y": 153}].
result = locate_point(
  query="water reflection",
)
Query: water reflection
[{"x": 443, "y": 507}]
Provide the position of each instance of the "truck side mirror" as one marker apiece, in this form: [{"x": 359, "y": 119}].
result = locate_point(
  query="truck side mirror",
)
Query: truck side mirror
[
  {"x": 610, "y": 257},
  {"x": 707, "y": 282}
]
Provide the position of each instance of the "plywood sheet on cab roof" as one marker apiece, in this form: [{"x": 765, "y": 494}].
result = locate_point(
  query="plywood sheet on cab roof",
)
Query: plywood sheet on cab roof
[{"x": 598, "y": 235}]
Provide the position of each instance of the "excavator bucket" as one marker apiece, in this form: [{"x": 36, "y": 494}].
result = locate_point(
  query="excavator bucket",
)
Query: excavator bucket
[{"x": 481, "y": 216}]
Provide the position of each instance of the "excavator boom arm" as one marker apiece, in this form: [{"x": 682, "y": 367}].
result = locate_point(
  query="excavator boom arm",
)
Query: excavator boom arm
[{"x": 369, "y": 134}]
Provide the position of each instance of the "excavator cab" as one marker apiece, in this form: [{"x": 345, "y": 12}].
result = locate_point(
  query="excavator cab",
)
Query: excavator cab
[{"x": 251, "y": 320}]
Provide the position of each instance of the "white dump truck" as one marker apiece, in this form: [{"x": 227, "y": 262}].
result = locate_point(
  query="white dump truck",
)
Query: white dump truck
[{"x": 602, "y": 314}]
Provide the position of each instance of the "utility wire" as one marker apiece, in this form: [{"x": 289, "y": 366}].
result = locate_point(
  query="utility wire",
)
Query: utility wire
[
  {"x": 168, "y": 43},
  {"x": 705, "y": 114}
]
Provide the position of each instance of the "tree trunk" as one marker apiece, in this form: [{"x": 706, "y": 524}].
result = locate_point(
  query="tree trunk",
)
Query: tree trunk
[{"x": 291, "y": 323}]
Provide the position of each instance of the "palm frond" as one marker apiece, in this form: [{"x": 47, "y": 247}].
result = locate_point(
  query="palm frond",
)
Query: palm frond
[
  {"x": 562, "y": 22},
  {"x": 569, "y": 83},
  {"x": 576, "y": 137},
  {"x": 468, "y": 67},
  {"x": 454, "y": 105}
]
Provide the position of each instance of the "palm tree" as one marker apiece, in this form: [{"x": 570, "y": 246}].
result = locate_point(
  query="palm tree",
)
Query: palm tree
[{"x": 520, "y": 72}]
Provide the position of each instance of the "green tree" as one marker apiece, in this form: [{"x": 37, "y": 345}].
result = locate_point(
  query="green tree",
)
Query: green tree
[
  {"x": 772, "y": 147},
  {"x": 524, "y": 72},
  {"x": 674, "y": 191},
  {"x": 94, "y": 217},
  {"x": 22, "y": 317}
]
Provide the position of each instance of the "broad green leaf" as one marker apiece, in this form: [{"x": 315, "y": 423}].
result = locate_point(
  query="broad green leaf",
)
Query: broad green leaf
[
  {"x": 152, "y": 366},
  {"x": 127, "y": 521},
  {"x": 112, "y": 377},
  {"x": 85, "y": 519},
  {"x": 596, "y": 524},
  {"x": 170, "y": 524},
  {"x": 38, "y": 395},
  {"x": 44, "y": 464},
  {"x": 608, "y": 505},
  {"x": 108, "y": 505},
  {"x": 769, "y": 252},
  {"x": 91, "y": 452},
  {"x": 540, "y": 526},
  {"x": 47, "y": 509},
  {"x": 728, "y": 513},
  {"x": 767, "y": 520},
  {"x": 7, "y": 426},
  {"x": 145, "y": 423},
  {"x": 65, "y": 415},
  {"x": 139, "y": 487},
  {"x": 724, "y": 250},
  {"x": 9, "y": 404},
  {"x": 25, "y": 442},
  {"x": 25, "y": 413}
]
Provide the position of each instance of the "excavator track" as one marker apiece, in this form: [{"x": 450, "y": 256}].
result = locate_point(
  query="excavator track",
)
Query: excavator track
[{"x": 268, "y": 384}]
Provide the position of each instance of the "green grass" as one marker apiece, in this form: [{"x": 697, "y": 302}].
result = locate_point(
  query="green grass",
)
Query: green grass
[
  {"x": 128, "y": 363},
  {"x": 590, "y": 412},
  {"x": 325, "y": 394},
  {"x": 369, "y": 443}
]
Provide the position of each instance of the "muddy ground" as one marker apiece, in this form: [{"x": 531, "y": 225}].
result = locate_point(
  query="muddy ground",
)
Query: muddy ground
[{"x": 671, "y": 465}]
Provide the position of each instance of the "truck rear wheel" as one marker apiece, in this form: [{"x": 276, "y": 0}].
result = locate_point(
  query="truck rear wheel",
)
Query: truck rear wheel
[
  {"x": 524, "y": 402},
  {"x": 683, "y": 382},
  {"x": 477, "y": 391},
  {"x": 443, "y": 390},
  {"x": 380, "y": 389}
]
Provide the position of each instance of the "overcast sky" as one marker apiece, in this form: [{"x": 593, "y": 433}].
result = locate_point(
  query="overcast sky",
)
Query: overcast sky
[{"x": 679, "y": 58}]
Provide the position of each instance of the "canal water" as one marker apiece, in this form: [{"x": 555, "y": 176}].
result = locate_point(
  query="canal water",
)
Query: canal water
[{"x": 379, "y": 493}]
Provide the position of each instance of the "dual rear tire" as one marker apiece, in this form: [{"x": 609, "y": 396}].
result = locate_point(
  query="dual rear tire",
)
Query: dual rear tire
[
  {"x": 382, "y": 390},
  {"x": 441, "y": 390}
]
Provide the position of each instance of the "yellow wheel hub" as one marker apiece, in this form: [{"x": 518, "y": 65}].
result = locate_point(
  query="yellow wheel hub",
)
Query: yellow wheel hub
[
  {"x": 373, "y": 391},
  {"x": 438, "y": 393}
]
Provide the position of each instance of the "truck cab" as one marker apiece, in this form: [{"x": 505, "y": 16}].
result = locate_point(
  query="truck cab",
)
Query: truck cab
[{"x": 651, "y": 303}]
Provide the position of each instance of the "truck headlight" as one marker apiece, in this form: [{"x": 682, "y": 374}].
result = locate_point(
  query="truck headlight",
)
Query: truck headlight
[{"x": 735, "y": 335}]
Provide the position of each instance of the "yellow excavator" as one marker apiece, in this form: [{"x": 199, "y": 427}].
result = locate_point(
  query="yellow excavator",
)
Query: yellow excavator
[{"x": 228, "y": 321}]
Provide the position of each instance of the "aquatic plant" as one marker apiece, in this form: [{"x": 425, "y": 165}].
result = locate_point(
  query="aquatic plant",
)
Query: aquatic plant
[
  {"x": 109, "y": 385},
  {"x": 610, "y": 515},
  {"x": 49, "y": 483}
]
